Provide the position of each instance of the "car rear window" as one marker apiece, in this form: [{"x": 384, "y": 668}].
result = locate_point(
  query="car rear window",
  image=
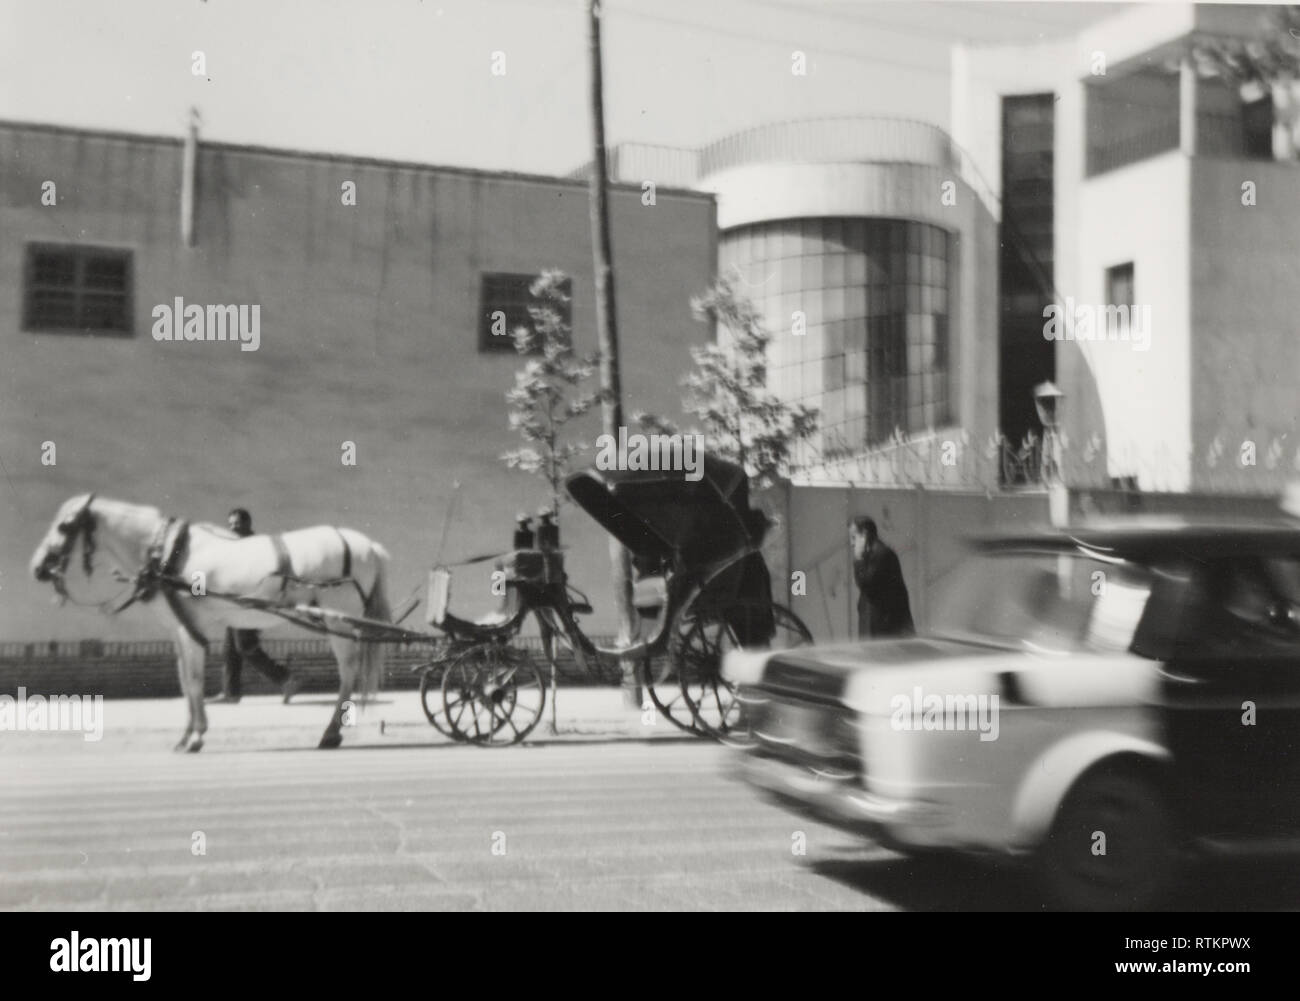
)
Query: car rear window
[{"x": 1049, "y": 602}]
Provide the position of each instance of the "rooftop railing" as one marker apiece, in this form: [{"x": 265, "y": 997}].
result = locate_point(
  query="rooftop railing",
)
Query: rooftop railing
[{"x": 823, "y": 140}]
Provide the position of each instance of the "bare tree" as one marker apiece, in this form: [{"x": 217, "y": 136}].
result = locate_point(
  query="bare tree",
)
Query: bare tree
[
  {"x": 1269, "y": 63},
  {"x": 548, "y": 391},
  {"x": 727, "y": 392},
  {"x": 1271, "y": 57}
]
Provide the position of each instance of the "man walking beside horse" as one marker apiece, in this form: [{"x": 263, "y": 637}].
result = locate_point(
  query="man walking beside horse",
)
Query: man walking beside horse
[{"x": 245, "y": 645}]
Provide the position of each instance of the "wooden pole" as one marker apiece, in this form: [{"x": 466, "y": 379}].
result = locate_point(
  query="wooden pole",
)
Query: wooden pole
[
  {"x": 189, "y": 178},
  {"x": 607, "y": 333}
]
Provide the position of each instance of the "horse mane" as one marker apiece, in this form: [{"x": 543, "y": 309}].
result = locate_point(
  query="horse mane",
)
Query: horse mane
[{"x": 142, "y": 509}]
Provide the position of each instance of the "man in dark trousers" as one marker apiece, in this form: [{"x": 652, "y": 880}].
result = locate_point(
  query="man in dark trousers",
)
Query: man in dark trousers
[
  {"x": 883, "y": 608},
  {"x": 246, "y": 644}
]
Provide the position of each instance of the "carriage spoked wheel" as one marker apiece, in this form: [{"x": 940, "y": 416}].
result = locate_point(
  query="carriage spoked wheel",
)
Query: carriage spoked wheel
[
  {"x": 493, "y": 695},
  {"x": 659, "y": 676},
  {"x": 431, "y": 698},
  {"x": 698, "y": 647}
]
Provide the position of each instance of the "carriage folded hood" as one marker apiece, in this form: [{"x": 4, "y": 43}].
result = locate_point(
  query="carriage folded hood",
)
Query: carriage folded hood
[{"x": 658, "y": 514}]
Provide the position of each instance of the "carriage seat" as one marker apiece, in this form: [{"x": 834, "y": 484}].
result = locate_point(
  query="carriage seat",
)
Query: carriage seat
[
  {"x": 439, "y": 597},
  {"x": 500, "y": 616}
]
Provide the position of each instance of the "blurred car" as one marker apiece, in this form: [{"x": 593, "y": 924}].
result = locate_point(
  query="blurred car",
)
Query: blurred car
[{"x": 1100, "y": 702}]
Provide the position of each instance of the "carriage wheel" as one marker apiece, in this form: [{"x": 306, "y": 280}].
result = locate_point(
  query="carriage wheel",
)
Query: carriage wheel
[
  {"x": 431, "y": 698},
  {"x": 711, "y": 631},
  {"x": 659, "y": 676},
  {"x": 493, "y": 695}
]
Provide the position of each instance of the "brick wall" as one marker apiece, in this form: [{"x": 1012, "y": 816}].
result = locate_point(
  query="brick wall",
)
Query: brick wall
[
  {"x": 369, "y": 334},
  {"x": 148, "y": 669}
]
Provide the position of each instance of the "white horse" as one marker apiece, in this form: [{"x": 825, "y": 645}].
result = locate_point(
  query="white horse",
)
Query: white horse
[{"x": 182, "y": 569}]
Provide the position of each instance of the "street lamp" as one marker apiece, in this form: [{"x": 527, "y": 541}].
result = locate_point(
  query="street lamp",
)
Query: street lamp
[
  {"x": 1050, "y": 404},
  {"x": 1048, "y": 401}
]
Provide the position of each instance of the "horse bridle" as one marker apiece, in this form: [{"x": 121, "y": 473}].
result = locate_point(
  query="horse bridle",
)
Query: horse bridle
[{"x": 81, "y": 523}]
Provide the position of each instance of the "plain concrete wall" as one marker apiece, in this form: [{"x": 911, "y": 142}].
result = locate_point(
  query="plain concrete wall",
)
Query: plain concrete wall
[
  {"x": 927, "y": 528},
  {"x": 1146, "y": 395},
  {"x": 1245, "y": 304},
  {"x": 369, "y": 334},
  {"x": 1108, "y": 503}
]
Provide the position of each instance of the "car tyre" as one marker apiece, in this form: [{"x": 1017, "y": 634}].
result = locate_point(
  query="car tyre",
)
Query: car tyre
[{"x": 1133, "y": 868}]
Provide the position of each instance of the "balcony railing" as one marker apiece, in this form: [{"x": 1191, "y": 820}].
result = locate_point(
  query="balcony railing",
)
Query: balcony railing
[
  {"x": 1119, "y": 151},
  {"x": 1216, "y": 135}
]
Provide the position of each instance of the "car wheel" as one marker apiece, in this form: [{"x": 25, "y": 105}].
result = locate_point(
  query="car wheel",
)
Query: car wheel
[{"x": 1111, "y": 846}]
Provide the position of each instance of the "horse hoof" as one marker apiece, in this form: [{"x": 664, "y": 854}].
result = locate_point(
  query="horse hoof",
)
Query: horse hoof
[
  {"x": 182, "y": 745},
  {"x": 195, "y": 747},
  {"x": 330, "y": 741}
]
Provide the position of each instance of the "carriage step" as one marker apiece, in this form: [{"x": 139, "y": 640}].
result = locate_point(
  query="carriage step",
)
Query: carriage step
[{"x": 580, "y": 608}]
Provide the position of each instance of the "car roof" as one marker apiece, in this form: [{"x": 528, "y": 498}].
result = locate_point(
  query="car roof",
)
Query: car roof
[{"x": 1145, "y": 538}]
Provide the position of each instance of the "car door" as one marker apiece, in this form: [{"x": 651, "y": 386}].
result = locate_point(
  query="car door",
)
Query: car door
[{"x": 1230, "y": 696}]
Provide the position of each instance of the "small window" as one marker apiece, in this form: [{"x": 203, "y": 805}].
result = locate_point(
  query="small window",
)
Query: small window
[
  {"x": 71, "y": 289},
  {"x": 503, "y": 308},
  {"x": 1257, "y": 118},
  {"x": 1119, "y": 294},
  {"x": 1119, "y": 285}
]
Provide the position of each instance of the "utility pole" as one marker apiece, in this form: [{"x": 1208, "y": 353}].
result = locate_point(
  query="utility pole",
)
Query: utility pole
[
  {"x": 607, "y": 333},
  {"x": 189, "y": 178}
]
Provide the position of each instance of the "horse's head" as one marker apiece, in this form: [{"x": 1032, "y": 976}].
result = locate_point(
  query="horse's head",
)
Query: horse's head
[{"x": 74, "y": 522}]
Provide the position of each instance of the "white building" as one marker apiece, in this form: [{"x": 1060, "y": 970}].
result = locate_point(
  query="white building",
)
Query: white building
[
  {"x": 1131, "y": 181},
  {"x": 871, "y": 249}
]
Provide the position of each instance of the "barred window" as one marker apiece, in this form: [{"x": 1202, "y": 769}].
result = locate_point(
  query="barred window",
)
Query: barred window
[
  {"x": 71, "y": 289},
  {"x": 503, "y": 308}
]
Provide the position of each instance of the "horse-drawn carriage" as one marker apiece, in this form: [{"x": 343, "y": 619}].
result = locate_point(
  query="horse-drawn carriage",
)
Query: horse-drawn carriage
[{"x": 702, "y": 587}]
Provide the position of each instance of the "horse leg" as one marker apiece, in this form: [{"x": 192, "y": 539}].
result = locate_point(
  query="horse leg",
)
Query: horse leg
[
  {"x": 195, "y": 657},
  {"x": 182, "y": 668},
  {"x": 348, "y": 653}
]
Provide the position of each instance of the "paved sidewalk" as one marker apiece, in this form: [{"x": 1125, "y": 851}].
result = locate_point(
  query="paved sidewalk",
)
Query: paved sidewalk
[{"x": 393, "y": 719}]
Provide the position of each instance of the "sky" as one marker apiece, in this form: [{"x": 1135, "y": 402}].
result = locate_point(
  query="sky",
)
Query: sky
[{"x": 413, "y": 79}]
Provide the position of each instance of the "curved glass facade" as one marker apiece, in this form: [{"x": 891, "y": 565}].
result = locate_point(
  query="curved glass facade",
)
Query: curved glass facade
[{"x": 874, "y": 295}]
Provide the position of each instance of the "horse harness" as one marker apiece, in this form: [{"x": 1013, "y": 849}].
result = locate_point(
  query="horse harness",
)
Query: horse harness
[
  {"x": 166, "y": 555},
  {"x": 83, "y": 524},
  {"x": 284, "y": 570},
  {"x": 164, "y": 558}
]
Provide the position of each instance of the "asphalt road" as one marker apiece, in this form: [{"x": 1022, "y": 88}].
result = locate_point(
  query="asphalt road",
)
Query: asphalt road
[
  {"x": 591, "y": 826},
  {"x": 404, "y": 823}
]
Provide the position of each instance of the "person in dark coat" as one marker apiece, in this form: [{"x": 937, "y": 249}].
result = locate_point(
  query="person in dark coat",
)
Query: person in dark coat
[
  {"x": 245, "y": 645},
  {"x": 883, "y": 608}
]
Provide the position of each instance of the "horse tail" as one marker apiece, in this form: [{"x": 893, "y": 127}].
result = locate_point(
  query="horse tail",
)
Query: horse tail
[{"x": 377, "y": 608}]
